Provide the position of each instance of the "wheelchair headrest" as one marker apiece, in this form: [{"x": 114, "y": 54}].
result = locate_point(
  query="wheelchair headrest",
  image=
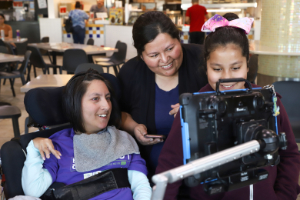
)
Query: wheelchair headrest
[{"x": 44, "y": 105}]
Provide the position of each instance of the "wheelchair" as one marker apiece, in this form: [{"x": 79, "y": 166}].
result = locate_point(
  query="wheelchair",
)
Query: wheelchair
[{"x": 44, "y": 106}]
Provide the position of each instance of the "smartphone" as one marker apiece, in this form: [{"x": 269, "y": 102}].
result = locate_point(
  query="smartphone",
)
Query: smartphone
[{"x": 154, "y": 136}]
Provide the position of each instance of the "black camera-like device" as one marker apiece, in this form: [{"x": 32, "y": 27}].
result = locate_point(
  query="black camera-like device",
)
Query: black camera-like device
[{"x": 215, "y": 121}]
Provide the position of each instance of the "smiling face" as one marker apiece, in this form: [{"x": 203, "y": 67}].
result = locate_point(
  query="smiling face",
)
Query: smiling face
[
  {"x": 96, "y": 107},
  {"x": 226, "y": 62},
  {"x": 163, "y": 55}
]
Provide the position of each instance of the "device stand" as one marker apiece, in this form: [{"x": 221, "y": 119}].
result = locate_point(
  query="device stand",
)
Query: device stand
[{"x": 201, "y": 165}]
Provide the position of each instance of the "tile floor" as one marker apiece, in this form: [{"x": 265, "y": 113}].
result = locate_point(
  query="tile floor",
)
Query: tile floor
[{"x": 6, "y": 129}]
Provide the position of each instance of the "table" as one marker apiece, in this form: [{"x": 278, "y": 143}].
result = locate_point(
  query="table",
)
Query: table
[
  {"x": 61, "y": 47},
  {"x": 15, "y": 40},
  {"x": 47, "y": 80},
  {"x": 10, "y": 58}
]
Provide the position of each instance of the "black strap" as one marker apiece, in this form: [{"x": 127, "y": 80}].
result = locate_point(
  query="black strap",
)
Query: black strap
[{"x": 94, "y": 186}]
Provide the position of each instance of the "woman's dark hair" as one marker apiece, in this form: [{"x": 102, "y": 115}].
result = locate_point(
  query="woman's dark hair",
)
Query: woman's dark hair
[
  {"x": 148, "y": 26},
  {"x": 72, "y": 97},
  {"x": 77, "y": 4},
  {"x": 226, "y": 35},
  {"x": 2, "y": 16}
]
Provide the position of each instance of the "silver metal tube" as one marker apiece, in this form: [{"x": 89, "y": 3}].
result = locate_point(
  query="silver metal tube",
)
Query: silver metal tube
[{"x": 201, "y": 165}]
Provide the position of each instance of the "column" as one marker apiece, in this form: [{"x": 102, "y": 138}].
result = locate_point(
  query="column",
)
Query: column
[{"x": 280, "y": 29}]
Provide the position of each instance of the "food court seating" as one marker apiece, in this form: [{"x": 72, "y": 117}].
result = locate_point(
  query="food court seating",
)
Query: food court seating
[
  {"x": 19, "y": 73},
  {"x": 2, "y": 43},
  {"x": 43, "y": 51},
  {"x": 72, "y": 58},
  {"x": 85, "y": 66},
  {"x": 3, "y": 66},
  {"x": 289, "y": 90},
  {"x": 13, "y": 112},
  {"x": 37, "y": 60},
  {"x": 116, "y": 59},
  {"x": 90, "y": 41}
]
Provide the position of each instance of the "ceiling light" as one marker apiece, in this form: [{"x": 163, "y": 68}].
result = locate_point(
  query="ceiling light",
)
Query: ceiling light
[{"x": 224, "y": 10}]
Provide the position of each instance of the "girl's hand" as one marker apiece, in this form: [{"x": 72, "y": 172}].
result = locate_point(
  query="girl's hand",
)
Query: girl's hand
[
  {"x": 45, "y": 146},
  {"x": 174, "y": 110},
  {"x": 139, "y": 131}
]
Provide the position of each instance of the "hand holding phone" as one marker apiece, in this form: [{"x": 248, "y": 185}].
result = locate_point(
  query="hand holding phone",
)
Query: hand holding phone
[{"x": 154, "y": 136}]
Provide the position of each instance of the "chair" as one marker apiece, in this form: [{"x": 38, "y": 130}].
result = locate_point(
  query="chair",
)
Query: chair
[
  {"x": 47, "y": 111},
  {"x": 105, "y": 59},
  {"x": 45, "y": 52},
  {"x": 3, "y": 49},
  {"x": 10, "y": 49},
  {"x": 90, "y": 41},
  {"x": 2, "y": 43},
  {"x": 19, "y": 73},
  {"x": 85, "y": 66},
  {"x": 289, "y": 90},
  {"x": 72, "y": 58},
  {"x": 13, "y": 65},
  {"x": 37, "y": 60},
  {"x": 3, "y": 66},
  {"x": 14, "y": 113},
  {"x": 253, "y": 68},
  {"x": 116, "y": 59}
]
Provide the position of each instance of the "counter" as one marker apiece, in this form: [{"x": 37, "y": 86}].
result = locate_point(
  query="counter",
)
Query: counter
[
  {"x": 107, "y": 35},
  {"x": 94, "y": 31}
]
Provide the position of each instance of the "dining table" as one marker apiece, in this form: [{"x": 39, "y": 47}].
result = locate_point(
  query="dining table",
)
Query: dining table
[
  {"x": 14, "y": 40},
  {"x": 56, "y": 48},
  {"x": 4, "y": 58},
  {"x": 47, "y": 80}
]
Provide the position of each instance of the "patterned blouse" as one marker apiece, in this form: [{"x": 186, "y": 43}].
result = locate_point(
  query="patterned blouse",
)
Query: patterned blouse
[{"x": 78, "y": 16}]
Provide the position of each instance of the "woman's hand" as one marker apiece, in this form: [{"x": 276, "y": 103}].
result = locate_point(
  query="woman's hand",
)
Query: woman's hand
[
  {"x": 45, "y": 146},
  {"x": 174, "y": 110},
  {"x": 140, "y": 131}
]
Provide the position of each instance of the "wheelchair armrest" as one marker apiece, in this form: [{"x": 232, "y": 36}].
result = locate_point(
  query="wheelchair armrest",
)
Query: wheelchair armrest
[
  {"x": 48, "y": 195},
  {"x": 13, "y": 158}
]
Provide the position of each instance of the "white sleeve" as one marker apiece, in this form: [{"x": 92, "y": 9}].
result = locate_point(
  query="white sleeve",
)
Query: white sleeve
[
  {"x": 140, "y": 185},
  {"x": 35, "y": 179}
]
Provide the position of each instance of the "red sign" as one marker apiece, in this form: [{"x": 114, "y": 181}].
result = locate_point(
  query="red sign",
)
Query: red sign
[
  {"x": 63, "y": 9},
  {"x": 18, "y": 4}
]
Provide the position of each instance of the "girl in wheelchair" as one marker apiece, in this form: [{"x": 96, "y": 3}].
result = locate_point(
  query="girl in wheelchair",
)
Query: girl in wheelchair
[{"x": 93, "y": 159}]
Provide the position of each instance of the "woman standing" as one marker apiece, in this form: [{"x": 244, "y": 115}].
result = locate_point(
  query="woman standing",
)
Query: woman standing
[
  {"x": 78, "y": 19},
  {"x": 152, "y": 82}
]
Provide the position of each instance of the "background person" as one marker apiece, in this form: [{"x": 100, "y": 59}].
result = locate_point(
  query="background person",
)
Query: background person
[
  {"x": 7, "y": 28},
  {"x": 91, "y": 146},
  {"x": 99, "y": 7},
  {"x": 196, "y": 16},
  {"x": 7, "y": 32},
  {"x": 152, "y": 82},
  {"x": 226, "y": 53},
  {"x": 78, "y": 19}
]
